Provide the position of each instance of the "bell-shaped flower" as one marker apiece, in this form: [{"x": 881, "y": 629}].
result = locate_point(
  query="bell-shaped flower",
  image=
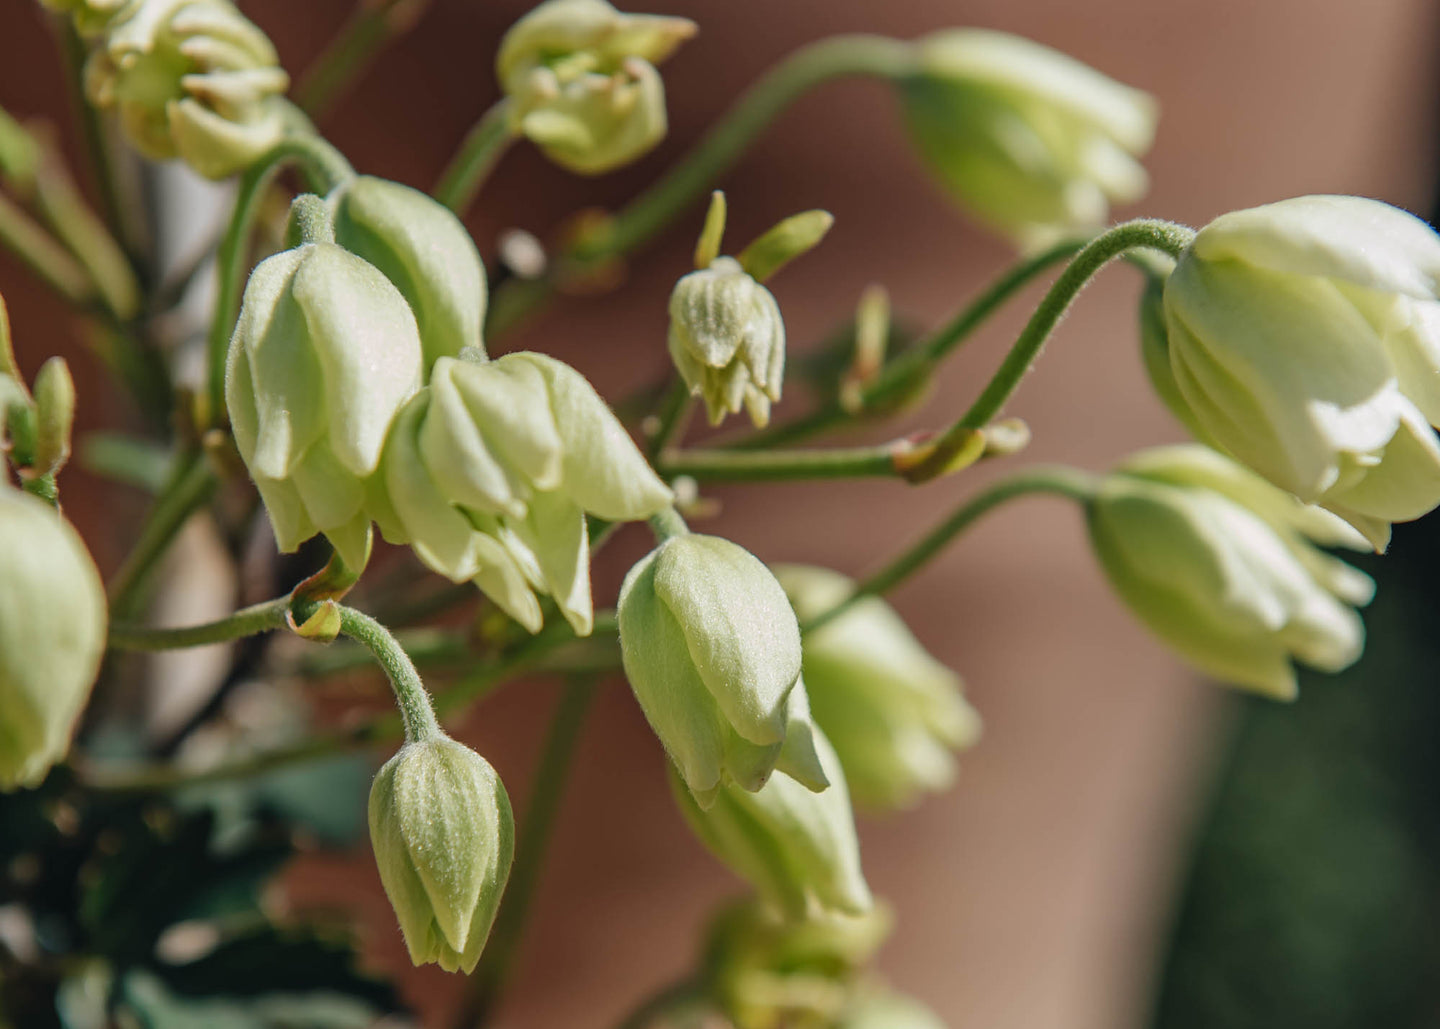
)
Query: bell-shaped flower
[
  {"x": 444, "y": 836},
  {"x": 425, "y": 252},
  {"x": 797, "y": 847},
  {"x": 192, "y": 79},
  {"x": 712, "y": 650},
  {"x": 1304, "y": 337},
  {"x": 582, "y": 82},
  {"x": 727, "y": 340},
  {"x": 1025, "y": 138},
  {"x": 324, "y": 354},
  {"x": 1225, "y": 568},
  {"x": 894, "y": 714},
  {"x": 491, "y": 469},
  {"x": 52, "y": 635}
]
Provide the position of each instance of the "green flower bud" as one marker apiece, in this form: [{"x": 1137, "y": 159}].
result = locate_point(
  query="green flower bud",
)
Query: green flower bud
[
  {"x": 797, "y": 847},
  {"x": 491, "y": 469},
  {"x": 712, "y": 650},
  {"x": 1223, "y": 567},
  {"x": 89, "y": 16},
  {"x": 1025, "y": 138},
  {"x": 882, "y": 1009},
  {"x": 424, "y": 250},
  {"x": 727, "y": 340},
  {"x": 52, "y": 636},
  {"x": 582, "y": 82},
  {"x": 443, "y": 835},
  {"x": 324, "y": 353},
  {"x": 1304, "y": 337},
  {"x": 893, "y": 713},
  {"x": 192, "y": 79}
]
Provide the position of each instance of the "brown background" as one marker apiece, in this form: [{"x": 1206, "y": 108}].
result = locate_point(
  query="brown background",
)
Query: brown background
[{"x": 1033, "y": 895}]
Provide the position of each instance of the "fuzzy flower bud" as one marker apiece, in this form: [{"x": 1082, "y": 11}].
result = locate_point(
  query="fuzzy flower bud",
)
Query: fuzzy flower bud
[
  {"x": 727, "y": 340},
  {"x": 52, "y": 636},
  {"x": 192, "y": 79},
  {"x": 491, "y": 469},
  {"x": 712, "y": 650},
  {"x": 1227, "y": 570},
  {"x": 795, "y": 846},
  {"x": 424, "y": 250},
  {"x": 1025, "y": 138},
  {"x": 893, "y": 713},
  {"x": 1304, "y": 338},
  {"x": 324, "y": 353},
  {"x": 443, "y": 836},
  {"x": 582, "y": 82}
]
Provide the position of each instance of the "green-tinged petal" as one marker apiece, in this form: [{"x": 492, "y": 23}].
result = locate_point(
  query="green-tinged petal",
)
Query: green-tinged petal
[
  {"x": 510, "y": 404},
  {"x": 501, "y": 578},
  {"x": 443, "y": 538},
  {"x": 457, "y": 456},
  {"x": 555, "y": 532}
]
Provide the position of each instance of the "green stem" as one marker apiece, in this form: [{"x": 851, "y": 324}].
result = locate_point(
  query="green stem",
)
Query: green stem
[
  {"x": 676, "y": 995},
  {"x": 248, "y": 621},
  {"x": 40, "y": 252},
  {"x": 416, "y": 712},
  {"x": 1164, "y": 236},
  {"x": 667, "y": 525},
  {"x": 1058, "y": 480},
  {"x": 779, "y": 465},
  {"x": 900, "y": 376},
  {"x": 803, "y": 70},
  {"x": 479, "y": 152},
  {"x": 190, "y": 486},
  {"x": 326, "y": 168},
  {"x": 537, "y": 825},
  {"x": 344, "y": 60},
  {"x": 670, "y": 419}
]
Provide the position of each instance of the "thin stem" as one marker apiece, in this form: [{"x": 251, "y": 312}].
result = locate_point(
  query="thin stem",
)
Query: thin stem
[
  {"x": 670, "y": 419},
  {"x": 902, "y": 374},
  {"x": 40, "y": 252},
  {"x": 416, "y": 711},
  {"x": 1058, "y": 480},
  {"x": 479, "y": 152},
  {"x": 1164, "y": 236},
  {"x": 801, "y": 71},
  {"x": 326, "y": 168},
  {"x": 248, "y": 621},
  {"x": 191, "y": 485},
  {"x": 344, "y": 60},
  {"x": 537, "y": 825},
  {"x": 677, "y": 994},
  {"x": 780, "y": 465}
]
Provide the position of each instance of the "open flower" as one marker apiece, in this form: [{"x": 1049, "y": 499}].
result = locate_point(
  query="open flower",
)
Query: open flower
[
  {"x": 1304, "y": 338},
  {"x": 1024, "y": 137},
  {"x": 1225, "y": 568}
]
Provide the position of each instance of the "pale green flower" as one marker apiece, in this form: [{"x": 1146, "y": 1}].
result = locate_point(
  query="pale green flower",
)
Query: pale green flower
[
  {"x": 443, "y": 836},
  {"x": 582, "y": 82},
  {"x": 1225, "y": 568},
  {"x": 89, "y": 16},
  {"x": 324, "y": 354},
  {"x": 1026, "y": 139},
  {"x": 797, "y": 847},
  {"x": 192, "y": 79},
  {"x": 1304, "y": 337},
  {"x": 885, "y": 1009},
  {"x": 52, "y": 636},
  {"x": 712, "y": 650},
  {"x": 727, "y": 340},
  {"x": 894, "y": 714},
  {"x": 424, "y": 250},
  {"x": 491, "y": 469}
]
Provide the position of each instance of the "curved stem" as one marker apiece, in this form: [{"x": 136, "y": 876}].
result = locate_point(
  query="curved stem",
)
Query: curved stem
[
  {"x": 345, "y": 58},
  {"x": 538, "y": 823},
  {"x": 899, "y": 376},
  {"x": 801, "y": 71},
  {"x": 248, "y": 621},
  {"x": 780, "y": 465},
  {"x": 325, "y": 168},
  {"x": 1058, "y": 480},
  {"x": 416, "y": 712},
  {"x": 1164, "y": 236},
  {"x": 480, "y": 151},
  {"x": 190, "y": 486}
]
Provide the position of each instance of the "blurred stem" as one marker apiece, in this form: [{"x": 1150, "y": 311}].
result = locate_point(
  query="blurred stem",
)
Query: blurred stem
[
  {"x": 915, "y": 365},
  {"x": 537, "y": 826},
  {"x": 781, "y": 465},
  {"x": 371, "y": 25},
  {"x": 249, "y": 621},
  {"x": 191, "y": 485},
  {"x": 1057, "y": 480},
  {"x": 43, "y": 255},
  {"x": 325, "y": 168},
  {"x": 676, "y": 995},
  {"x": 670, "y": 419},
  {"x": 479, "y": 152},
  {"x": 798, "y": 73}
]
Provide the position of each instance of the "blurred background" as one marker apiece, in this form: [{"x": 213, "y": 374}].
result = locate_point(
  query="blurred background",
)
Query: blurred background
[{"x": 1127, "y": 847}]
